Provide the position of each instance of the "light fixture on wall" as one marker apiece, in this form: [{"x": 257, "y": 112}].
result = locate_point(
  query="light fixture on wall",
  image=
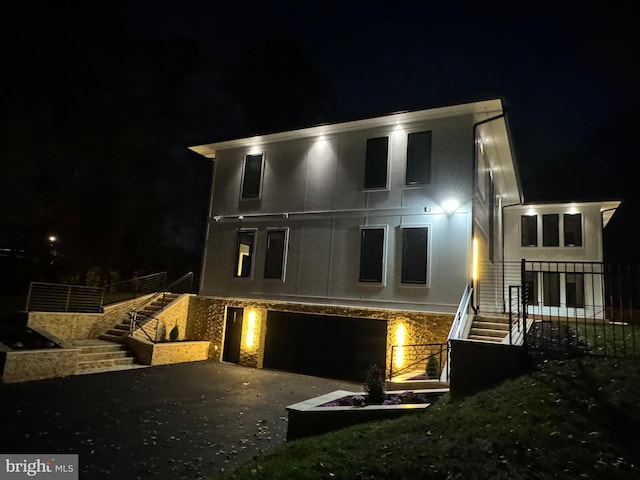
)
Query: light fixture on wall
[{"x": 450, "y": 205}]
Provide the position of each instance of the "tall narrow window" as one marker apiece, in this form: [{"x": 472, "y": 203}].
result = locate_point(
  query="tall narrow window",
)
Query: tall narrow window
[
  {"x": 575, "y": 289},
  {"x": 372, "y": 255},
  {"x": 572, "y": 230},
  {"x": 531, "y": 286},
  {"x": 274, "y": 265},
  {"x": 551, "y": 289},
  {"x": 529, "y": 230},
  {"x": 550, "y": 230},
  {"x": 414, "y": 255},
  {"x": 418, "y": 158},
  {"x": 244, "y": 253},
  {"x": 252, "y": 178},
  {"x": 375, "y": 169}
]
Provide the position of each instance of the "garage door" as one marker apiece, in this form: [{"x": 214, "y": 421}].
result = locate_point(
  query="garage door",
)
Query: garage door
[{"x": 324, "y": 346}]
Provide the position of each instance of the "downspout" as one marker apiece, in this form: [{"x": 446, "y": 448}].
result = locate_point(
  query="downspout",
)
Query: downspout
[
  {"x": 206, "y": 235},
  {"x": 475, "y": 194}
]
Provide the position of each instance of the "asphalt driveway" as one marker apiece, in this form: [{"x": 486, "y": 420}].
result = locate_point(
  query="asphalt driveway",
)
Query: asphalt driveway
[{"x": 184, "y": 421}]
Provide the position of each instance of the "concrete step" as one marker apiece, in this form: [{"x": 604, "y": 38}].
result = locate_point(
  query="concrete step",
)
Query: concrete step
[
  {"x": 112, "y": 338},
  {"x": 482, "y": 338},
  {"x": 491, "y": 326},
  {"x": 485, "y": 332},
  {"x": 117, "y": 331},
  {"x": 106, "y": 348},
  {"x": 97, "y": 356},
  {"x": 122, "y": 326}
]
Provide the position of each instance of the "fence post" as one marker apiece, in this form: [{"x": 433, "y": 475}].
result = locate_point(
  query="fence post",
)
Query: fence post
[{"x": 524, "y": 298}]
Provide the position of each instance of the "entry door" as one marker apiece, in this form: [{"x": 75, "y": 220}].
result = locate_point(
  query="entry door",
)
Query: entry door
[{"x": 232, "y": 335}]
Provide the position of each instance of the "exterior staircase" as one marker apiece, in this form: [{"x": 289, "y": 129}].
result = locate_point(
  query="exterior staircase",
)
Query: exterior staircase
[
  {"x": 119, "y": 332},
  {"x": 101, "y": 355},
  {"x": 489, "y": 329}
]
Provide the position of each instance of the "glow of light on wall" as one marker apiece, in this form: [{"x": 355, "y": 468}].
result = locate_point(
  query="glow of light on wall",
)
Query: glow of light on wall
[
  {"x": 450, "y": 205},
  {"x": 243, "y": 252},
  {"x": 573, "y": 209},
  {"x": 399, "y": 350},
  {"x": 251, "y": 330},
  {"x": 474, "y": 264}
]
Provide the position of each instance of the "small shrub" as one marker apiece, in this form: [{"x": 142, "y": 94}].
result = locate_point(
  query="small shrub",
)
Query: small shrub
[
  {"x": 374, "y": 384},
  {"x": 433, "y": 367},
  {"x": 174, "y": 333}
]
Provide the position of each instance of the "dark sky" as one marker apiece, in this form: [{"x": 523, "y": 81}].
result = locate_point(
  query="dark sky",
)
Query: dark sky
[{"x": 93, "y": 88}]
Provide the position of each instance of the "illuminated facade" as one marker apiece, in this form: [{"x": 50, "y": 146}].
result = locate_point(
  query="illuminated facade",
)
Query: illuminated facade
[{"x": 398, "y": 213}]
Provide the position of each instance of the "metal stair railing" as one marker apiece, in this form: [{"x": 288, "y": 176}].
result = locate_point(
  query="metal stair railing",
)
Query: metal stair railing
[{"x": 57, "y": 297}]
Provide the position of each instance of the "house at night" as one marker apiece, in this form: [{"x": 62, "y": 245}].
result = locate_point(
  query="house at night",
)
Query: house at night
[{"x": 336, "y": 246}]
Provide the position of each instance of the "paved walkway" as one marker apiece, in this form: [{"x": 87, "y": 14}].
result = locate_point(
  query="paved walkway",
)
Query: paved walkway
[{"x": 190, "y": 420}]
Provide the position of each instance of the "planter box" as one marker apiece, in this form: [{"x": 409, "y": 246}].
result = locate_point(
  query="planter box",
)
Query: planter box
[{"x": 309, "y": 418}]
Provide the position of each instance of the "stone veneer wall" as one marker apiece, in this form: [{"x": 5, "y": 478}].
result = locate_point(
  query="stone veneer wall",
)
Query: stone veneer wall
[
  {"x": 207, "y": 318},
  {"x": 174, "y": 314},
  {"x": 149, "y": 353},
  {"x": 82, "y": 326},
  {"x": 27, "y": 365}
]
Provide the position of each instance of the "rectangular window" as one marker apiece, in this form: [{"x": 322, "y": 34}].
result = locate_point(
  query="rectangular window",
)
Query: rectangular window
[
  {"x": 252, "y": 176},
  {"x": 372, "y": 255},
  {"x": 274, "y": 265},
  {"x": 551, "y": 289},
  {"x": 414, "y": 255},
  {"x": 529, "y": 230},
  {"x": 573, "y": 230},
  {"x": 531, "y": 286},
  {"x": 418, "y": 158},
  {"x": 575, "y": 290},
  {"x": 244, "y": 253},
  {"x": 550, "y": 230},
  {"x": 375, "y": 169}
]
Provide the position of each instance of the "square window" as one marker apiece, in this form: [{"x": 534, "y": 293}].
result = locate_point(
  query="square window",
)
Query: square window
[
  {"x": 529, "y": 230},
  {"x": 414, "y": 255},
  {"x": 550, "y": 230},
  {"x": 418, "y": 158},
  {"x": 375, "y": 170},
  {"x": 573, "y": 230},
  {"x": 274, "y": 265},
  {"x": 252, "y": 176},
  {"x": 244, "y": 253},
  {"x": 372, "y": 255}
]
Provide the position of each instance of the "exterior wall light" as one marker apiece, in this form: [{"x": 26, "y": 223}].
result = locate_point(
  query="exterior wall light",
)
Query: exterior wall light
[
  {"x": 398, "y": 361},
  {"x": 450, "y": 205}
]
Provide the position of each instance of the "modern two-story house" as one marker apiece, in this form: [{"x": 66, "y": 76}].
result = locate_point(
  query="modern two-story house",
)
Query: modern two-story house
[{"x": 337, "y": 241}]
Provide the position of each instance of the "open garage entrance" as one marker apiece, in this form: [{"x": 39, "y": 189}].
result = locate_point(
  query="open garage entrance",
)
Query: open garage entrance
[{"x": 324, "y": 345}]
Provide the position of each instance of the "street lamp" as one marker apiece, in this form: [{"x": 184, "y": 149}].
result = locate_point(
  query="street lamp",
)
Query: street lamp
[{"x": 52, "y": 249}]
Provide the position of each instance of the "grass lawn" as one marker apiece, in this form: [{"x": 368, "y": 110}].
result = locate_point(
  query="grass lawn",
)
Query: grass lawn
[{"x": 568, "y": 419}]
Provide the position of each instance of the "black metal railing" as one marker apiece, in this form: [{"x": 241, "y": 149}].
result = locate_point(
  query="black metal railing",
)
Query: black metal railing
[
  {"x": 54, "y": 297},
  {"x": 424, "y": 358}
]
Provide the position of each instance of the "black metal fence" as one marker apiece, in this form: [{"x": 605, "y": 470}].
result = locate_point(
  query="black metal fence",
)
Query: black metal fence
[
  {"x": 581, "y": 308},
  {"x": 425, "y": 359}
]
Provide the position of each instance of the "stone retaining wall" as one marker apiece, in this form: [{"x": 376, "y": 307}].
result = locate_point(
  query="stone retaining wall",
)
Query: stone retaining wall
[
  {"x": 166, "y": 353},
  {"x": 27, "y": 365}
]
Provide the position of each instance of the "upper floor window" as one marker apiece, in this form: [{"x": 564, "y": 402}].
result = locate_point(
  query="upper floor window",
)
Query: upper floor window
[
  {"x": 244, "y": 253},
  {"x": 572, "y": 230},
  {"x": 274, "y": 266},
  {"x": 414, "y": 255},
  {"x": 550, "y": 230},
  {"x": 529, "y": 230},
  {"x": 376, "y": 161},
  {"x": 418, "y": 158},
  {"x": 372, "y": 254},
  {"x": 252, "y": 176}
]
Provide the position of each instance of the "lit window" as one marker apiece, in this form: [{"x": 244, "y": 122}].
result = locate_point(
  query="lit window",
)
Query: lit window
[
  {"x": 274, "y": 266},
  {"x": 573, "y": 230},
  {"x": 550, "y": 230},
  {"x": 375, "y": 170},
  {"x": 418, "y": 158},
  {"x": 414, "y": 255},
  {"x": 529, "y": 230},
  {"x": 252, "y": 176},
  {"x": 244, "y": 253},
  {"x": 372, "y": 255}
]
